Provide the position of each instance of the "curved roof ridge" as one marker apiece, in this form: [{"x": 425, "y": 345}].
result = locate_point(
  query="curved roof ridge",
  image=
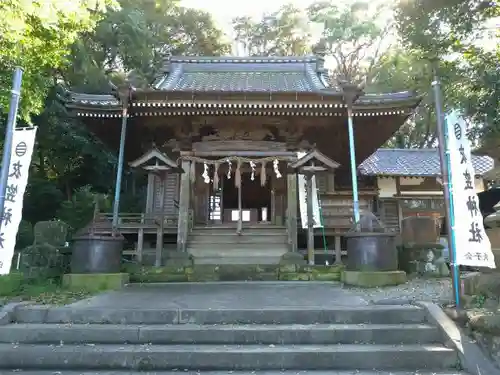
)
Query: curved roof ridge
[{"x": 241, "y": 59}]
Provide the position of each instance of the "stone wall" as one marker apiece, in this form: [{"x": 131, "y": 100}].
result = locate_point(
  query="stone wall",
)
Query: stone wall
[{"x": 289, "y": 272}]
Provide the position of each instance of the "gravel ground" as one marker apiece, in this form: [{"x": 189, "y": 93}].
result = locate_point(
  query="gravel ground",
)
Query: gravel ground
[{"x": 432, "y": 290}]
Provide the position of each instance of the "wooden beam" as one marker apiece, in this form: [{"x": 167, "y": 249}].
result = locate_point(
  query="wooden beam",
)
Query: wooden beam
[{"x": 291, "y": 155}]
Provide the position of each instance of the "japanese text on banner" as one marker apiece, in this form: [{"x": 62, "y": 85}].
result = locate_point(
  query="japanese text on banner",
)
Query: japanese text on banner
[
  {"x": 22, "y": 149},
  {"x": 473, "y": 247}
]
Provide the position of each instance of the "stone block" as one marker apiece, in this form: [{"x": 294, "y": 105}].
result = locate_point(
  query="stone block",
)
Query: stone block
[
  {"x": 292, "y": 258},
  {"x": 478, "y": 283},
  {"x": 95, "y": 281},
  {"x": 5, "y": 318},
  {"x": 179, "y": 259},
  {"x": 165, "y": 278},
  {"x": 287, "y": 268},
  {"x": 31, "y": 314},
  {"x": 294, "y": 276},
  {"x": 334, "y": 276},
  {"x": 373, "y": 279},
  {"x": 204, "y": 272}
]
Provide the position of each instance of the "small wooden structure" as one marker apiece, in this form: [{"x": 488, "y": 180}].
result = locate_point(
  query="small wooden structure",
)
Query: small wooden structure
[{"x": 310, "y": 165}]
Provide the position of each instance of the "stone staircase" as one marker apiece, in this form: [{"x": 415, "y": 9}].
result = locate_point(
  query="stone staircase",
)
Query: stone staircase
[
  {"x": 220, "y": 244},
  {"x": 363, "y": 340}
]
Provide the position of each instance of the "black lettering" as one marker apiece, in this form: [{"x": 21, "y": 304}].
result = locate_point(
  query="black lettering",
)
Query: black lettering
[
  {"x": 11, "y": 193},
  {"x": 468, "y": 181},
  {"x": 472, "y": 206},
  {"x": 16, "y": 170},
  {"x": 475, "y": 231}
]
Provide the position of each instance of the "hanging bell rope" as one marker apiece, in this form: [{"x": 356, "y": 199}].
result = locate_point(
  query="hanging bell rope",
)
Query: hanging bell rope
[
  {"x": 237, "y": 175},
  {"x": 192, "y": 171},
  {"x": 216, "y": 176},
  {"x": 263, "y": 176}
]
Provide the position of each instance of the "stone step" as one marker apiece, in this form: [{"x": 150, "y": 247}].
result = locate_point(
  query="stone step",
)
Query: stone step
[
  {"x": 245, "y": 231},
  {"x": 279, "y": 372},
  {"x": 235, "y": 239},
  {"x": 316, "y": 334},
  {"x": 258, "y": 246},
  {"x": 248, "y": 259},
  {"x": 226, "y": 357},
  {"x": 373, "y": 314}
]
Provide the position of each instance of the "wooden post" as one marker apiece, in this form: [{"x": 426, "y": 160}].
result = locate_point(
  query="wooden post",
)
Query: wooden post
[
  {"x": 159, "y": 233},
  {"x": 183, "y": 220},
  {"x": 159, "y": 242},
  {"x": 338, "y": 250},
  {"x": 292, "y": 210},
  {"x": 310, "y": 220},
  {"x": 140, "y": 241},
  {"x": 150, "y": 193}
]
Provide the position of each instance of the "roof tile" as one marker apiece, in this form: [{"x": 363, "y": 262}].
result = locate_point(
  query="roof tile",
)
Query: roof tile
[{"x": 413, "y": 162}]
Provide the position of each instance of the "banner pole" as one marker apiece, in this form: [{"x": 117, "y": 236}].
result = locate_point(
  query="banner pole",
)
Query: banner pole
[
  {"x": 444, "y": 158},
  {"x": 9, "y": 134}
]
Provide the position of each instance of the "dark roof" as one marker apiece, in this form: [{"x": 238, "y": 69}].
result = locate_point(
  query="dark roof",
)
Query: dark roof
[
  {"x": 261, "y": 74},
  {"x": 413, "y": 162},
  {"x": 301, "y": 75}
]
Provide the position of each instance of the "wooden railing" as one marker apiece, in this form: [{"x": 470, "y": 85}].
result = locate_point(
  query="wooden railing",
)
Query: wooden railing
[{"x": 104, "y": 221}]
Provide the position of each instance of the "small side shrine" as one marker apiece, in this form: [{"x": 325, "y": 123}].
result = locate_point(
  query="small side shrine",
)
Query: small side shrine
[
  {"x": 163, "y": 183},
  {"x": 307, "y": 167}
]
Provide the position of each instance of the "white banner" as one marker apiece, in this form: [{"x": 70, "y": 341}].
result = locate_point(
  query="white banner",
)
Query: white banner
[
  {"x": 22, "y": 148},
  {"x": 302, "y": 181},
  {"x": 472, "y": 245}
]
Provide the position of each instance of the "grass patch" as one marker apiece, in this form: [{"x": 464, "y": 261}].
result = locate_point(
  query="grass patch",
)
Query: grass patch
[{"x": 15, "y": 287}]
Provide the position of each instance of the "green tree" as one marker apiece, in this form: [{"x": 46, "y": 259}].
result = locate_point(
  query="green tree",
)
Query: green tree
[
  {"x": 449, "y": 29},
  {"x": 401, "y": 70},
  {"x": 132, "y": 42},
  {"x": 37, "y": 35},
  {"x": 281, "y": 33},
  {"x": 353, "y": 35}
]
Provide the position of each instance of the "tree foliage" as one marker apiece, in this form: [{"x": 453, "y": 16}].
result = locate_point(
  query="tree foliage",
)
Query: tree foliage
[
  {"x": 37, "y": 35},
  {"x": 282, "y": 33},
  {"x": 353, "y": 36}
]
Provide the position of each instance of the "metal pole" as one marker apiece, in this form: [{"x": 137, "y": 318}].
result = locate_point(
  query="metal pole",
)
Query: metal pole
[
  {"x": 354, "y": 175},
  {"x": 445, "y": 172},
  {"x": 119, "y": 169},
  {"x": 9, "y": 134}
]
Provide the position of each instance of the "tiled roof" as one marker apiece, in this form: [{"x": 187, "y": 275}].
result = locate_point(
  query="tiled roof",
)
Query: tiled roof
[
  {"x": 413, "y": 162},
  {"x": 262, "y": 74},
  {"x": 242, "y": 74}
]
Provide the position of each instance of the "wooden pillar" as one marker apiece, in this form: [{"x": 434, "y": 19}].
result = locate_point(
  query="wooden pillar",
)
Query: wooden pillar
[
  {"x": 338, "y": 250},
  {"x": 150, "y": 193},
  {"x": 310, "y": 221},
  {"x": 183, "y": 219},
  {"x": 159, "y": 232},
  {"x": 292, "y": 210},
  {"x": 140, "y": 242}
]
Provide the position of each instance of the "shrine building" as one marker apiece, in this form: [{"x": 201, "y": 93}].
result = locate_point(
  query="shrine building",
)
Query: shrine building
[{"x": 219, "y": 138}]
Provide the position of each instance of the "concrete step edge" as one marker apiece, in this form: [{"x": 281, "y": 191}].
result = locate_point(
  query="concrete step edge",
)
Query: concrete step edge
[
  {"x": 227, "y": 357},
  {"x": 221, "y": 334},
  {"x": 225, "y": 327},
  {"x": 230, "y": 349},
  {"x": 261, "y": 372}
]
